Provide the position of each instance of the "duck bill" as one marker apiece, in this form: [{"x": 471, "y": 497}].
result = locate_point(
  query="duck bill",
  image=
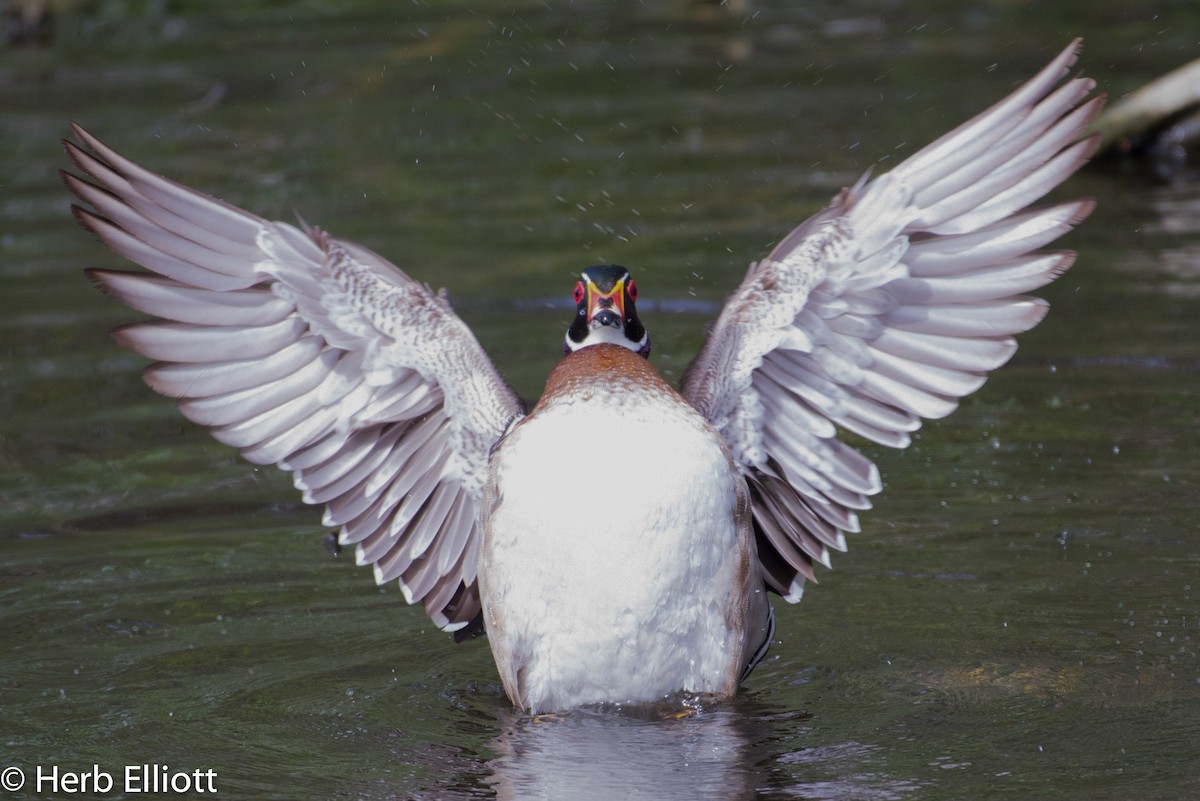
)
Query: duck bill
[{"x": 606, "y": 308}]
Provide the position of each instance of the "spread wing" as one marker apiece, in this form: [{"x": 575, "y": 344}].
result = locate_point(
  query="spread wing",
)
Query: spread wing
[
  {"x": 886, "y": 308},
  {"x": 316, "y": 355}
]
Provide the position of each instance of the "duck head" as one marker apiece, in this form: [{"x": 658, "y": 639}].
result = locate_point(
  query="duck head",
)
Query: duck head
[{"x": 604, "y": 298}]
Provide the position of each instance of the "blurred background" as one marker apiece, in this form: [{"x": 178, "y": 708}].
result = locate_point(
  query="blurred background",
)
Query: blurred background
[{"x": 1019, "y": 615}]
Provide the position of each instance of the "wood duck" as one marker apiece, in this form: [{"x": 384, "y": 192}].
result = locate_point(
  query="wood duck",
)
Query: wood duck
[{"x": 316, "y": 354}]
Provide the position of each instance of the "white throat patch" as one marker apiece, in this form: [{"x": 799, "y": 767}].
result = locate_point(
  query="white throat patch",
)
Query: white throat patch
[{"x": 605, "y": 333}]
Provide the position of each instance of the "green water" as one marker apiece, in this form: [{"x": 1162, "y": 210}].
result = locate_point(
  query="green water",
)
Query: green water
[{"x": 1019, "y": 617}]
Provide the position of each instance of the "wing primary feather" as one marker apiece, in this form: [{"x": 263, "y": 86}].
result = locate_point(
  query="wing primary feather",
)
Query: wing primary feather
[
  {"x": 984, "y": 319},
  {"x": 146, "y": 255},
  {"x": 230, "y": 407},
  {"x": 935, "y": 159},
  {"x": 183, "y": 342},
  {"x": 934, "y": 256},
  {"x": 175, "y": 300},
  {"x": 197, "y": 379}
]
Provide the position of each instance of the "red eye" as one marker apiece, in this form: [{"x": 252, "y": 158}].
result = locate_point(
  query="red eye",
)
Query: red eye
[
  {"x": 579, "y": 292},
  {"x": 631, "y": 288}
]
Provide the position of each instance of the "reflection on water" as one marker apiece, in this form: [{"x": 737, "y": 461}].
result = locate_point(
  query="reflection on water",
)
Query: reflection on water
[
  {"x": 1178, "y": 209},
  {"x": 724, "y": 753},
  {"x": 602, "y": 755}
]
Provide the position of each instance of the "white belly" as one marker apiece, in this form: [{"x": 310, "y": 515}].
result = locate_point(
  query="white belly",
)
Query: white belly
[{"x": 611, "y": 568}]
